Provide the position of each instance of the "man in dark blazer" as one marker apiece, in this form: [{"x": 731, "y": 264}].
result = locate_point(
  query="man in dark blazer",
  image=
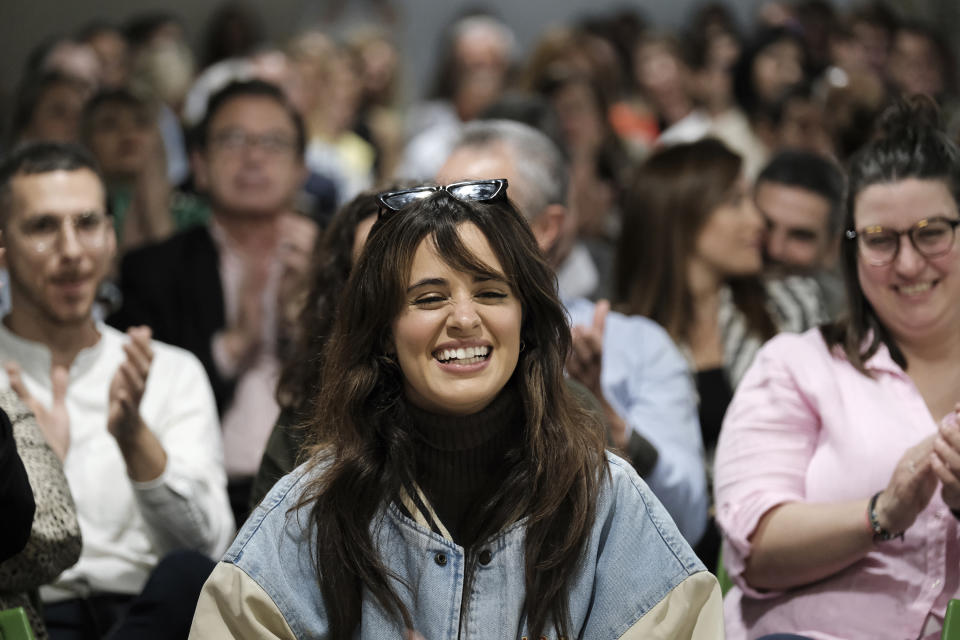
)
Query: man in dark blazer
[{"x": 218, "y": 290}]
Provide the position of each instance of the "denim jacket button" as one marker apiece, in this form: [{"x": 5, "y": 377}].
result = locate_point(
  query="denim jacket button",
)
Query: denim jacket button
[
  {"x": 440, "y": 559},
  {"x": 485, "y": 557}
]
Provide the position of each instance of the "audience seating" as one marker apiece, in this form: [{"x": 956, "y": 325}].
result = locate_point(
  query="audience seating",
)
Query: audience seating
[{"x": 14, "y": 625}]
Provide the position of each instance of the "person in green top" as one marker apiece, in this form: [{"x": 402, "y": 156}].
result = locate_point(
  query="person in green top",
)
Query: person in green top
[{"x": 120, "y": 129}]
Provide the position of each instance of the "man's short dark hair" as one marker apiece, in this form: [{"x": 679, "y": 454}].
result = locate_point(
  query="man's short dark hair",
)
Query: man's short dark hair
[
  {"x": 811, "y": 172},
  {"x": 248, "y": 89},
  {"x": 42, "y": 157},
  {"x": 121, "y": 97}
]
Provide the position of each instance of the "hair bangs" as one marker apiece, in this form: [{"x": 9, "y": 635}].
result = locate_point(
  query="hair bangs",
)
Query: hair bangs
[{"x": 452, "y": 250}]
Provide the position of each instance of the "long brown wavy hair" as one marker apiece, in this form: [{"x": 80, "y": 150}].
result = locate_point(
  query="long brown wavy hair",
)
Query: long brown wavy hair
[
  {"x": 332, "y": 261},
  {"x": 669, "y": 200},
  {"x": 364, "y": 452}
]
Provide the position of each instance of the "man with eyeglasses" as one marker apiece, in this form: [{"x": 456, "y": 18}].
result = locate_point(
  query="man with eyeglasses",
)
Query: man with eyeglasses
[
  {"x": 221, "y": 290},
  {"x": 132, "y": 420}
]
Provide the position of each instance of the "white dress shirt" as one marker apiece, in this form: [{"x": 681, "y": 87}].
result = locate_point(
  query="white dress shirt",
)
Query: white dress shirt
[{"x": 127, "y": 526}]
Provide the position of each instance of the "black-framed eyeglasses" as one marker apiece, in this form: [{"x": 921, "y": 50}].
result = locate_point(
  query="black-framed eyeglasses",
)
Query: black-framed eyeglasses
[
  {"x": 470, "y": 190},
  {"x": 931, "y": 237},
  {"x": 236, "y": 140}
]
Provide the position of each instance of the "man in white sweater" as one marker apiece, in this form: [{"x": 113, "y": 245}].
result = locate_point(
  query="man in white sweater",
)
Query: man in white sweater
[{"x": 133, "y": 420}]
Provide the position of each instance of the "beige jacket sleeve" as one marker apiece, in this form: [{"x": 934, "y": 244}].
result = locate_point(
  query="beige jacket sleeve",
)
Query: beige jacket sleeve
[
  {"x": 232, "y": 605},
  {"x": 693, "y": 610}
]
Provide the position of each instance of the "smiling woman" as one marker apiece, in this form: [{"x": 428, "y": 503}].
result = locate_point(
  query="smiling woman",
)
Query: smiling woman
[
  {"x": 840, "y": 440},
  {"x": 456, "y": 487},
  {"x": 457, "y": 338}
]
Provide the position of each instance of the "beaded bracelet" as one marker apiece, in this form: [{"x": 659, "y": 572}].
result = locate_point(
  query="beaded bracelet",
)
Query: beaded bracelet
[{"x": 879, "y": 533}]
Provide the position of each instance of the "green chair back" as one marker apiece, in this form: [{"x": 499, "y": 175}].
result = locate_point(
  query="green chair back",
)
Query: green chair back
[
  {"x": 14, "y": 625},
  {"x": 722, "y": 577},
  {"x": 951, "y": 622}
]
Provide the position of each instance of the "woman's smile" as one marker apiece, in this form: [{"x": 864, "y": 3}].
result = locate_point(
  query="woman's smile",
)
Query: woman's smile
[
  {"x": 462, "y": 356},
  {"x": 457, "y": 338}
]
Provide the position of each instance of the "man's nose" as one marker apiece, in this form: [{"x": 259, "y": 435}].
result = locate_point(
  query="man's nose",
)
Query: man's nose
[
  {"x": 773, "y": 243},
  {"x": 255, "y": 150},
  {"x": 69, "y": 240}
]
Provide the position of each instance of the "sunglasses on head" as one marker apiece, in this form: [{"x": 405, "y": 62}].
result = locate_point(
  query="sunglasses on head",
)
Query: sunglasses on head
[{"x": 475, "y": 190}]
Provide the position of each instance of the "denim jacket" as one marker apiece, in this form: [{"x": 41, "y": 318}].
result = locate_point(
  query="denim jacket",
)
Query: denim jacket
[{"x": 638, "y": 579}]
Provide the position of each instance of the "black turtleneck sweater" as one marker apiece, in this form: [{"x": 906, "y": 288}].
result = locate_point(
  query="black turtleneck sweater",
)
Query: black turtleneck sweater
[{"x": 461, "y": 460}]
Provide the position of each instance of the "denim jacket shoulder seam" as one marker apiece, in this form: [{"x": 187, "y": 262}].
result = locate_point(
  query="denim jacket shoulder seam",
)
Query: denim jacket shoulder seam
[
  {"x": 234, "y": 553},
  {"x": 639, "y": 615},
  {"x": 687, "y": 569}
]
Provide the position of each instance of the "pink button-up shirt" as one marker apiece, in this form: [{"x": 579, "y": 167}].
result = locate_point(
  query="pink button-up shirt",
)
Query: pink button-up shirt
[{"x": 805, "y": 425}]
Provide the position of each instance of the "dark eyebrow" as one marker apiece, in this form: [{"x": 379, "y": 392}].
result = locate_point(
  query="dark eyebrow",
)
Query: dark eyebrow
[
  {"x": 40, "y": 215},
  {"x": 427, "y": 281},
  {"x": 440, "y": 282}
]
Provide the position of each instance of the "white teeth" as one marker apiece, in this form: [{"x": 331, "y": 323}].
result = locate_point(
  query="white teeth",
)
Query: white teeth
[
  {"x": 914, "y": 289},
  {"x": 464, "y": 355}
]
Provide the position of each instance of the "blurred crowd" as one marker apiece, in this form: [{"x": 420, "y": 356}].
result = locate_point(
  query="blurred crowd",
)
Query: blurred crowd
[
  {"x": 607, "y": 88},
  {"x": 692, "y": 177}
]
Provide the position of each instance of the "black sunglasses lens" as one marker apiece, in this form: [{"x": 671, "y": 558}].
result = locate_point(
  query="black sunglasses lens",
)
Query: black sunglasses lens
[
  {"x": 475, "y": 190},
  {"x": 401, "y": 199}
]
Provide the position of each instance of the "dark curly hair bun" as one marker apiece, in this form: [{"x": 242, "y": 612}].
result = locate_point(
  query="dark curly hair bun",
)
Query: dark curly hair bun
[{"x": 909, "y": 117}]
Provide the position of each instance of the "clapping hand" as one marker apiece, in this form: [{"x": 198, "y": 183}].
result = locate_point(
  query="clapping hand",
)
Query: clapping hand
[
  {"x": 585, "y": 365},
  {"x": 585, "y": 361},
  {"x": 128, "y": 384},
  {"x": 243, "y": 338},
  {"x": 910, "y": 488},
  {"x": 54, "y": 422},
  {"x": 946, "y": 458}
]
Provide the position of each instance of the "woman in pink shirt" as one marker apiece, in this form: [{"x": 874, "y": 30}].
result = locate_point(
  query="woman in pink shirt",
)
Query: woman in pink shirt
[{"x": 838, "y": 468}]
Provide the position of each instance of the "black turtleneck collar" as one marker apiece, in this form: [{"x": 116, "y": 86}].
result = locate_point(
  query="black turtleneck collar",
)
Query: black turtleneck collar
[{"x": 460, "y": 459}]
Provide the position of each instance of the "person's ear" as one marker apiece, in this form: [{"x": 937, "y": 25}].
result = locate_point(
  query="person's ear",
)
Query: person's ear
[
  {"x": 304, "y": 174},
  {"x": 548, "y": 226},
  {"x": 388, "y": 345},
  {"x": 198, "y": 164},
  {"x": 111, "y": 238}
]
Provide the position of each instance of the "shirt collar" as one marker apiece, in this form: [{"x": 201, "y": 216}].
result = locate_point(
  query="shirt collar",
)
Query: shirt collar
[{"x": 34, "y": 357}]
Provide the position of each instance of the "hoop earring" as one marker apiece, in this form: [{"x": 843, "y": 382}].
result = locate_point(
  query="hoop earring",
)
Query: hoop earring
[{"x": 522, "y": 346}]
